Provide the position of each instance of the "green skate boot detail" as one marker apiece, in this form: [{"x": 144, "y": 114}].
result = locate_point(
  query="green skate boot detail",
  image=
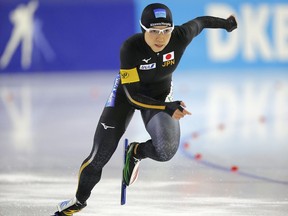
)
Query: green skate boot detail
[{"x": 131, "y": 168}]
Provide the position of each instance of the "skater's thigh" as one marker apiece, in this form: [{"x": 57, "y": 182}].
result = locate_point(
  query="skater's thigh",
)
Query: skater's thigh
[
  {"x": 117, "y": 118},
  {"x": 111, "y": 126},
  {"x": 162, "y": 128}
]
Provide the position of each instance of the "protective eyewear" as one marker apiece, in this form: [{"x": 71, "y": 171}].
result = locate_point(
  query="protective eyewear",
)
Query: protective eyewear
[{"x": 155, "y": 31}]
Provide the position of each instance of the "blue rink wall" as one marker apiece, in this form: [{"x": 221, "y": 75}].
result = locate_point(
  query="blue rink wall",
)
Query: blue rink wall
[
  {"x": 74, "y": 35},
  {"x": 68, "y": 35}
]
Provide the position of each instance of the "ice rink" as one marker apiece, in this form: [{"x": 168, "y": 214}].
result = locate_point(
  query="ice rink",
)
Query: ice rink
[{"x": 232, "y": 159}]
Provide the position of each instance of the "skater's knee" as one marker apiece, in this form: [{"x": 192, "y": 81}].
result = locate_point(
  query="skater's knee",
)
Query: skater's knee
[
  {"x": 164, "y": 157},
  {"x": 167, "y": 153}
]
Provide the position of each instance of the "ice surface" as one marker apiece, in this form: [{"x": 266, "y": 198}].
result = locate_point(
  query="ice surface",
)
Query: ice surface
[{"x": 47, "y": 124}]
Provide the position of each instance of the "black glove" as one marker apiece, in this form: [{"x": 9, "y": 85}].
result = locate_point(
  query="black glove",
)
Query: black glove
[
  {"x": 231, "y": 24},
  {"x": 171, "y": 107}
]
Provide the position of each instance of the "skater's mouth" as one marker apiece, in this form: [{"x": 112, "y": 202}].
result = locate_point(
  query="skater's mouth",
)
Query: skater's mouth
[{"x": 159, "y": 45}]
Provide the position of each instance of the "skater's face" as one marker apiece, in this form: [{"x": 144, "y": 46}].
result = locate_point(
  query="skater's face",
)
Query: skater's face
[{"x": 158, "y": 37}]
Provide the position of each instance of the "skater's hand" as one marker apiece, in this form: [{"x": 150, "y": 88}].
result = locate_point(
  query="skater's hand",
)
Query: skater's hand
[
  {"x": 231, "y": 23},
  {"x": 178, "y": 114}
]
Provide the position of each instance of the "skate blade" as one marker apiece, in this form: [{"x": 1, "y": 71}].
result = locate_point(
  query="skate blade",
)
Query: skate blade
[{"x": 134, "y": 175}]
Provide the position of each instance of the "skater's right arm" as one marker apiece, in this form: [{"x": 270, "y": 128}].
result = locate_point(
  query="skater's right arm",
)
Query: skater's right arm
[
  {"x": 180, "y": 114},
  {"x": 175, "y": 109},
  {"x": 140, "y": 101}
]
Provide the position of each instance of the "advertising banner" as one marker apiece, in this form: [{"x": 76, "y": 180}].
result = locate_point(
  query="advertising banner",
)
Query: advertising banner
[
  {"x": 66, "y": 35},
  {"x": 74, "y": 35}
]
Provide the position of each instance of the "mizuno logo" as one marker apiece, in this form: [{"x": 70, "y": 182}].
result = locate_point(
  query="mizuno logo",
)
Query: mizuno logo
[
  {"x": 146, "y": 60},
  {"x": 106, "y": 126}
]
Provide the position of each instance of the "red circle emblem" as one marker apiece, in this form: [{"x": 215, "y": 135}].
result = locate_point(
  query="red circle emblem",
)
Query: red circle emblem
[{"x": 168, "y": 56}]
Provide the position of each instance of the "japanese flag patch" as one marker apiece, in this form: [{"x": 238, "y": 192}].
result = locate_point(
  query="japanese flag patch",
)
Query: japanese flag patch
[{"x": 168, "y": 56}]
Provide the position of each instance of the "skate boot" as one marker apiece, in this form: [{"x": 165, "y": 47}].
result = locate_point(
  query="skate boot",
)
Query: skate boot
[
  {"x": 131, "y": 168},
  {"x": 69, "y": 207}
]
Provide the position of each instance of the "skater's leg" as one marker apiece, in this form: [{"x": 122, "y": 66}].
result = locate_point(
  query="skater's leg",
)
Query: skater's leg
[
  {"x": 165, "y": 136},
  {"x": 110, "y": 128},
  {"x": 163, "y": 145}
]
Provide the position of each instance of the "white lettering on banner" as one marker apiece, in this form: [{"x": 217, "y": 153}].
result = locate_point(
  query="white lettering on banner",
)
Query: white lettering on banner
[
  {"x": 220, "y": 49},
  {"x": 262, "y": 33},
  {"x": 256, "y": 38},
  {"x": 281, "y": 31}
]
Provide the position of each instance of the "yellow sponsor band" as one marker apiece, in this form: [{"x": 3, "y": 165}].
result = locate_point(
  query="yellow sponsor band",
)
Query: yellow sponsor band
[{"x": 129, "y": 75}]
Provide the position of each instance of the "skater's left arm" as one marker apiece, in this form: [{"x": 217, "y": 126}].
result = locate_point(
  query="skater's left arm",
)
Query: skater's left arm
[
  {"x": 228, "y": 24},
  {"x": 194, "y": 27}
]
